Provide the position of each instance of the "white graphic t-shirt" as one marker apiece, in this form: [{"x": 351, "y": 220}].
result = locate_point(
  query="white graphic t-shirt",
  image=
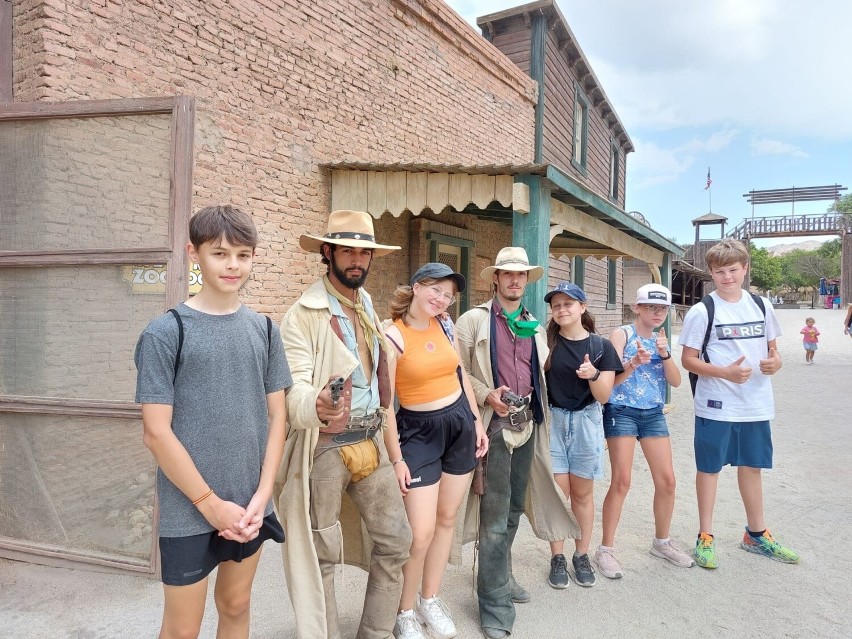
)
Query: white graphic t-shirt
[{"x": 738, "y": 329}]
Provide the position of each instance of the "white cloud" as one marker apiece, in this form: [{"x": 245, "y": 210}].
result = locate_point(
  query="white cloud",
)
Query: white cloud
[
  {"x": 775, "y": 66},
  {"x": 652, "y": 165},
  {"x": 765, "y": 146}
]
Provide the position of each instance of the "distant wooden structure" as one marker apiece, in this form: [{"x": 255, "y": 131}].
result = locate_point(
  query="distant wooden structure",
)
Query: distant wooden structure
[{"x": 831, "y": 223}]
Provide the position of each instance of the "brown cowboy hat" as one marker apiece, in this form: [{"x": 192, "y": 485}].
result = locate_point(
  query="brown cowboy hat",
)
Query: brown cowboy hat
[
  {"x": 347, "y": 228},
  {"x": 513, "y": 258}
]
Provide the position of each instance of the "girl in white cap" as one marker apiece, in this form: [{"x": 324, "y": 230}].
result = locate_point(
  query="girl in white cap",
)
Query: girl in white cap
[{"x": 635, "y": 411}]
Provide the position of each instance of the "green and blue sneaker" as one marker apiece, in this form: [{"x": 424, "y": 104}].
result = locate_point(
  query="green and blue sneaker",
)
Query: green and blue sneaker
[
  {"x": 767, "y": 546},
  {"x": 705, "y": 551}
]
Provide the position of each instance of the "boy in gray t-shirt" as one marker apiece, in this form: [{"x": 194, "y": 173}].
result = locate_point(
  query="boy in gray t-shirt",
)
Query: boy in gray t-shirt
[{"x": 211, "y": 381}]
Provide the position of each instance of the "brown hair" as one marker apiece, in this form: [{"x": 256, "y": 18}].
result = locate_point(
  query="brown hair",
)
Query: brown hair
[
  {"x": 725, "y": 253},
  {"x": 587, "y": 321},
  {"x": 212, "y": 222},
  {"x": 402, "y": 296}
]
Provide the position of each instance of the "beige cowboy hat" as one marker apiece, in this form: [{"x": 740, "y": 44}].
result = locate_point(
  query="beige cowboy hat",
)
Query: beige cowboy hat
[
  {"x": 513, "y": 258},
  {"x": 347, "y": 228}
]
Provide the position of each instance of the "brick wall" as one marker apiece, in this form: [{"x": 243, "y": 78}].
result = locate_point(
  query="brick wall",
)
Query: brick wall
[{"x": 282, "y": 87}]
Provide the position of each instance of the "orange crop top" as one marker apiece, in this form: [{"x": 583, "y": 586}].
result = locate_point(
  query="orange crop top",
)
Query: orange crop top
[{"x": 426, "y": 370}]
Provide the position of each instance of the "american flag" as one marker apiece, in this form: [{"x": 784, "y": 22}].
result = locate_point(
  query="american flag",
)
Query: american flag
[{"x": 709, "y": 181}]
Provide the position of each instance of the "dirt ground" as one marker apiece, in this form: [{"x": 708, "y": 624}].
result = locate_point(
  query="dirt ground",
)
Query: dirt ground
[{"x": 807, "y": 507}]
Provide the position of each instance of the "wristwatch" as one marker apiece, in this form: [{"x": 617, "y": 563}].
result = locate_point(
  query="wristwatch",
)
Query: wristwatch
[
  {"x": 594, "y": 378},
  {"x": 668, "y": 356}
]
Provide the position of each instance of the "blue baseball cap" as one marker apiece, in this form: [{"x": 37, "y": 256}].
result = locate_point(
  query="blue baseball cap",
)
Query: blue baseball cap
[
  {"x": 569, "y": 289},
  {"x": 438, "y": 271}
]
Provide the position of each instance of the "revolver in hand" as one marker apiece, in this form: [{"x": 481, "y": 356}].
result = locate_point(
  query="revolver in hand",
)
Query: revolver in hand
[
  {"x": 514, "y": 401},
  {"x": 335, "y": 387}
]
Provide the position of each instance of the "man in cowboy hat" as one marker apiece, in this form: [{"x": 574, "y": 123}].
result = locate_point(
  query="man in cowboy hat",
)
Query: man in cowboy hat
[
  {"x": 336, "y": 479},
  {"x": 503, "y": 349}
]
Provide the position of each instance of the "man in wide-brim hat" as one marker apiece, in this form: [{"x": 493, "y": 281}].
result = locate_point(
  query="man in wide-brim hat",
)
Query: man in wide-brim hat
[
  {"x": 335, "y": 474},
  {"x": 504, "y": 349}
]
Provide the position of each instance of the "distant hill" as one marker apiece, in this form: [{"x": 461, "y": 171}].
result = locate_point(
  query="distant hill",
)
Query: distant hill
[{"x": 781, "y": 249}]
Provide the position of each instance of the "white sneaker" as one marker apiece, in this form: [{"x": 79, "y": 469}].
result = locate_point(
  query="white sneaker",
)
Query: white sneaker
[
  {"x": 406, "y": 626},
  {"x": 672, "y": 553},
  {"x": 433, "y": 613},
  {"x": 605, "y": 559}
]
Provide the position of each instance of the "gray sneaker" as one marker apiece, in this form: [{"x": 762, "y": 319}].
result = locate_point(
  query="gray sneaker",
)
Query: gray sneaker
[
  {"x": 558, "y": 577},
  {"x": 584, "y": 574}
]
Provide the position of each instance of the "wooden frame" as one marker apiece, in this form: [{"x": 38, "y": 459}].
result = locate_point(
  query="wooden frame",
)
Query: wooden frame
[
  {"x": 6, "y": 75},
  {"x": 182, "y": 110}
]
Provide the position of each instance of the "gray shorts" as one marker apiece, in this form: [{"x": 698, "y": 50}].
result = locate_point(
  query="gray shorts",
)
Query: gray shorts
[{"x": 577, "y": 441}]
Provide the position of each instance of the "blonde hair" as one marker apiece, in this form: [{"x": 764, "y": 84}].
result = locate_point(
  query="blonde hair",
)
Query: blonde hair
[
  {"x": 402, "y": 296},
  {"x": 725, "y": 253}
]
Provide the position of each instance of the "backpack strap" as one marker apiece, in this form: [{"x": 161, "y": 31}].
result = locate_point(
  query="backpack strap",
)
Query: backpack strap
[
  {"x": 180, "y": 340},
  {"x": 710, "y": 305},
  {"x": 759, "y": 301},
  {"x": 268, "y": 339}
]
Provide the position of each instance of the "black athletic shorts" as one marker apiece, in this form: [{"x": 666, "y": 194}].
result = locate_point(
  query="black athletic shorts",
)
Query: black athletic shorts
[
  {"x": 437, "y": 441},
  {"x": 188, "y": 560}
]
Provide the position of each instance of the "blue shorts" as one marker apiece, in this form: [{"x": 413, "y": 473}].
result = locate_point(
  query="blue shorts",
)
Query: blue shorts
[
  {"x": 735, "y": 443},
  {"x": 626, "y": 421},
  {"x": 810, "y": 346},
  {"x": 577, "y": 441},
  {"x": 438, "y": 441}
]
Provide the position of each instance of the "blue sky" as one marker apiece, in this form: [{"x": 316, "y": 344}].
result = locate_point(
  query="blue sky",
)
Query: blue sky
[{"x": 756, "y": 90}]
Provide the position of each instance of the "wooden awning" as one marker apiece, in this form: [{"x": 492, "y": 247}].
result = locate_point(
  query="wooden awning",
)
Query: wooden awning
[{"x": 394, "y": 188}]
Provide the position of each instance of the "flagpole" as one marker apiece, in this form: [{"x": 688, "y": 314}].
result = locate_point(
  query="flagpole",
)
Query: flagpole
[{"x": 709, "y": 191}]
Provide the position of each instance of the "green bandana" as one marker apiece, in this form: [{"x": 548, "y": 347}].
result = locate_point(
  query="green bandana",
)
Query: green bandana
[{"x": 521, "y": 328}]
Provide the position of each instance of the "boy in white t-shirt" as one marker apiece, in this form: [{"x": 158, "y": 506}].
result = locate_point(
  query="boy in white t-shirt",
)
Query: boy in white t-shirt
[{"x": 733, "y": 399}]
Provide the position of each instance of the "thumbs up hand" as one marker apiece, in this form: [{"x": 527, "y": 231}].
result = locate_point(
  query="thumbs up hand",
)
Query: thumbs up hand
[
  {"x": 735, "y": 372},
  {"x": 642, "y": 353},
  {"x": 662, "y": 343},
  {"x": 771, "y": 364},
  {"x": 587, "y": 370}
]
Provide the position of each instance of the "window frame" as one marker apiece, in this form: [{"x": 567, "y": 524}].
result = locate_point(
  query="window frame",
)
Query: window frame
[
  {"x": 435, "y": 239},
  {"x": 611, "y": 283},
  {"x": 580, "y": 137},
  {"x": 614, "y": 170},
  {"x": 173, "y": 254}
]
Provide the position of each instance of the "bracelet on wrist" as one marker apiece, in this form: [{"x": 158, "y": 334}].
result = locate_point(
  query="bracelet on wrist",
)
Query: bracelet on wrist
[
  {"x": 668, "y": 356},
  {"x": 398, "y": 461},
  {"x": 202, "y": 498}
]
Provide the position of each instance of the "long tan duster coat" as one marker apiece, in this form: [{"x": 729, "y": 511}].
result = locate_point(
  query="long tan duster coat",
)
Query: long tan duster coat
[
  {"x": 546, "y": 507},
  {"x": 314, "y": 354}
]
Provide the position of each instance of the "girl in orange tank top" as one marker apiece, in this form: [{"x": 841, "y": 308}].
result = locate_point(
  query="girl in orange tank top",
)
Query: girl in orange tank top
[{"x": 441, "y": 437}]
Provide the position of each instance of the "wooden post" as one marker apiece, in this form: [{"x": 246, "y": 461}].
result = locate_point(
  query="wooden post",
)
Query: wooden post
[
  {"x": 666, "y": 280},
  {"x": 532, "y": 232},
  {"x": 6, "y": 76},
  {"x": 538, "y": 41}
]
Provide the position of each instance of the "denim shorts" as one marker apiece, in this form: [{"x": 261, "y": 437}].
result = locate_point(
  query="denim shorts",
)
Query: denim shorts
[
  {"x": 577, "y": 441},
  {"x": 735, "y": 443},
  {"x": 810, "y": 346},
  {"x": 626, "y": 421}
]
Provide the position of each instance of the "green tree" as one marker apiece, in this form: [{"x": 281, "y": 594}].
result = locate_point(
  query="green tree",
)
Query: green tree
[
  {"x": 843, "y": 206},
  {"x": 765, "y": 268}
]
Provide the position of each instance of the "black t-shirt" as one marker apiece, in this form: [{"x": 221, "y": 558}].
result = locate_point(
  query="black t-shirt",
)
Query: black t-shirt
[{"x": 564, "y": 388}]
